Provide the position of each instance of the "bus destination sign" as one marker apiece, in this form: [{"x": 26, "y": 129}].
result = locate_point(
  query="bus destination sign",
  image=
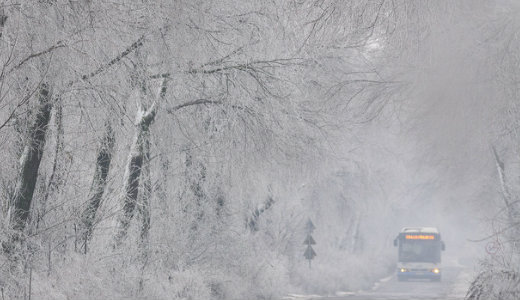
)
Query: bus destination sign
[{"x": 419, "y": 237}]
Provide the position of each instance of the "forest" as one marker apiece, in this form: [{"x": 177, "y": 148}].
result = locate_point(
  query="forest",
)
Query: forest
[{"x": 176, "y": 149}]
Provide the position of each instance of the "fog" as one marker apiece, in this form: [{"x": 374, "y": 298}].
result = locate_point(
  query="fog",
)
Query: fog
[
  {"x": 181, "y": 149},
  {"x": 429, "y": 156}
]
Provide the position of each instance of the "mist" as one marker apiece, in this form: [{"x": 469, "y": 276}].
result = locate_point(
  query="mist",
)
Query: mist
[{"x": 259, "y": 149}]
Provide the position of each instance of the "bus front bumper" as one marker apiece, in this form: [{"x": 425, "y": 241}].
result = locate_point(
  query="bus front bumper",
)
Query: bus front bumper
[{"x": 432, "y": 274}]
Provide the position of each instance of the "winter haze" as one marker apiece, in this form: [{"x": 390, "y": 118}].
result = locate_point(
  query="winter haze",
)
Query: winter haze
[{"x": 281, "y": 149}]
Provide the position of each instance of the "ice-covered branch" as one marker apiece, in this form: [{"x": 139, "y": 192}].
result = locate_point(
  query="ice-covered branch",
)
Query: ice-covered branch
[
  {"x": 58, "y": 45},
  {"x": 252, "y": 65},
  {"x": 115, "y": 60}
]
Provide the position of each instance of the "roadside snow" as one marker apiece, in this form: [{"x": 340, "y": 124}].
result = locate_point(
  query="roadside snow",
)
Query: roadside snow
[
  {"x": 301, "y": 297},
  {"x": 460, "y": 287}
]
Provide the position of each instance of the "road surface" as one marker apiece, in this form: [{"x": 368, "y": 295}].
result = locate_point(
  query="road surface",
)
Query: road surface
[
  {"x": 390, "y": 289},
  {"x": 455, "y": 281}
]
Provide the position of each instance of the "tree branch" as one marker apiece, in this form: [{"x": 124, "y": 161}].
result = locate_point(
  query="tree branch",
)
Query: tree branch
[
  {"x": 58, "y": 45},
  {"x": 191, "y": 103},
  {"x": 123, "y": 54},
  {"x": 249, "y": 65}
]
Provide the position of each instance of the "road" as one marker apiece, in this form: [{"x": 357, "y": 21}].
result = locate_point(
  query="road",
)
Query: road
[
  {"x": 391, "y": 289},
  {"x": 455, "y": 280}
]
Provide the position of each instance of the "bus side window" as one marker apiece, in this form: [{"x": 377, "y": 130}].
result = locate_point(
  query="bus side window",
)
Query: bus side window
[{"x": 443, "y": 247}]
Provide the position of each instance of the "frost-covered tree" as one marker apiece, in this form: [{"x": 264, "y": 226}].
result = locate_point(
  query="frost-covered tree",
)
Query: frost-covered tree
[
  {"x": 498, "y": 277},
  {"x": 151, "y": 131}
]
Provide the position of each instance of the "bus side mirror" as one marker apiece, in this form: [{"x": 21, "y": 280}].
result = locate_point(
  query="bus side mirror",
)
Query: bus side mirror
[
  {"x": 443, "y": 247},
  {"x": 395, "y": 243}
]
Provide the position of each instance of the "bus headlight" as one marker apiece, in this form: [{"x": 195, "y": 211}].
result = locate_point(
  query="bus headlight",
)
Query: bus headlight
[
  {"x": 402, "y": 270},
  {"x": 436, "y": 271}
]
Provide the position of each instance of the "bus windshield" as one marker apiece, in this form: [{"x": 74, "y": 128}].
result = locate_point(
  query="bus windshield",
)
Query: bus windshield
[{"x": 420, "y": 251}]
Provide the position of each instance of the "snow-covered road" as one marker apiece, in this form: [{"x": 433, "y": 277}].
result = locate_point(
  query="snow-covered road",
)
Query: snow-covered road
[
  {"x": 454, "y": 284},
  {"x": 451, "y": 287}
]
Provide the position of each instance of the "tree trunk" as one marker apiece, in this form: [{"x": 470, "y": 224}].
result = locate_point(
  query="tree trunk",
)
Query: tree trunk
[
  {"x": 30, "y": 162},
  {"x": 196, "y": 176},
  {"x": 134, "y": 166},
  {"x": 252, "y": 221},
  {"x": 99, "y": 182},
  {"x": 55, "y": 177},
  {"x": 145, "y": 210},
  {"x": 3, "y": 19},
  {"x": 506, "y": 195},
  {"x": 144, "y": 205},
  {"x": 131, "y": 184},
  {"x": 357, "y": 240},
  {"x": 509, "y": 202}
]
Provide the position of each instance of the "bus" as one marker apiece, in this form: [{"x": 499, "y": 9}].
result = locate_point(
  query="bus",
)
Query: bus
[{"x": 419, "y": 253}]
